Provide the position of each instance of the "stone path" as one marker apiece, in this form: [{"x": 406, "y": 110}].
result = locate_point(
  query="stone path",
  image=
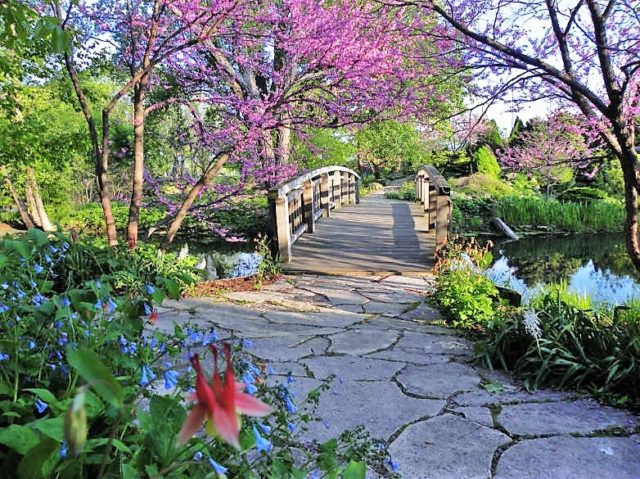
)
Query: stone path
[{"x": 411, "y": 382}]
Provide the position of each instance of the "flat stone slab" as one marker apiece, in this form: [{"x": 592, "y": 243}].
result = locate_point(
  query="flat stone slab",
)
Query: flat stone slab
[
  {"x": 569, "y": 457},
  {"x": 352, "y": 368},
  {"x": 423, "y": 312},
  {"x": 410, "y": 356},
  {"x": 435, "y": 343},
  {"x": 351, "y": 403},
  {"x": 359, "y": 342},
  {"x": 390, "y": 309},
  {"x": 384, "y": 323},
  {"x": 438, "y": 380},
  {"x": 283, "y": 368},
  {"x": 446, "y": 447},
  {"x": 408, "y": 282},
  {"x": 333, "y": 318},
  {"x": 338, "y": 295},
  {"x": 583, "y": 416},
  {"x": 392, "y": 295},
  {"x": 482, "y": 397},
  {"x": 287, "y": 349},
  {"x": 481, "y": 415}
]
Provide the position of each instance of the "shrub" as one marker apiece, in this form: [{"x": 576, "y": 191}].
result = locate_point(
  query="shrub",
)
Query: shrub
[
  {"x": 486, "y": 162},
  {"x": 406, "y": 192},
  {"x": 89, "y": 217},
  {"x": 481, "y": 185},
  {"x": 563, "y": 345}
]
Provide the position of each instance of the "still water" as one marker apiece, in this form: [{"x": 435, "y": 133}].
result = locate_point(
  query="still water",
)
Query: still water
[{"x": 596, "y": 265}]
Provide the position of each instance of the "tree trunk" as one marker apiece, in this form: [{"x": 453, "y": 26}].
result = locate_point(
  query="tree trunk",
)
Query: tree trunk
[
  {"x": 138, "y": 163},
  {"x": 284, "y": 142},
  {"x": 22, "y": 208},
  {"x": 631, "y": 172},
  {"x": 34, "y": 201},
  {"x": 102, "y": 177},
  {"x": 191, "y": 197}
]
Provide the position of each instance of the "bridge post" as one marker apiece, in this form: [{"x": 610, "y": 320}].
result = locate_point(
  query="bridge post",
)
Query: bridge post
[
  {"x": 337, "y": 186},
  {"x": 325, "y": 195},
  {"x": 307, "y": 205},
  {"x": 357, "y": 191},
  {"x": 282, "y": 230},
  {"x": 352, "y": 189},
  {"x": 443, "y": 218}
]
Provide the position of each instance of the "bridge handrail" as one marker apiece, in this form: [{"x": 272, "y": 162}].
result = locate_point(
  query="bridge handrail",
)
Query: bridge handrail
[
  {"x": 434, "y": 194},
  {"x": 297, "y": 204}
]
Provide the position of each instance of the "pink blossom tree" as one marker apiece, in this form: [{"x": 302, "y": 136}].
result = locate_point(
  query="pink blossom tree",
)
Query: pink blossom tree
[{"x": 583, "y": 54}]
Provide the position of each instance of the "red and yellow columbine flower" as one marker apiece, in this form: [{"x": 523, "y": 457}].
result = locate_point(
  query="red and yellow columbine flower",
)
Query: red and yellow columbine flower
[{"x": 220, "y": 405}]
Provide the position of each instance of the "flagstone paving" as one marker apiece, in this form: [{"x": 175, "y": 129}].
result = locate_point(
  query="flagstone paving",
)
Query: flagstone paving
[{"x": 413, "y": 384}]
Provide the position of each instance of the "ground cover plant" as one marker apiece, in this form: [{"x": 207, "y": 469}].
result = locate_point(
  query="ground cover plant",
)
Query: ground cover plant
[
  {"x": 90, "y": 387},
  {"x": 555, "y": 338}
]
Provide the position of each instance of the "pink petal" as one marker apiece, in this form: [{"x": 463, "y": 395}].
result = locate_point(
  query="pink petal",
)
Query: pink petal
[
  {"x": 227, "y": 425},
  {"x": 251, "y": 406},
  {"x": 193, "y": 423}
]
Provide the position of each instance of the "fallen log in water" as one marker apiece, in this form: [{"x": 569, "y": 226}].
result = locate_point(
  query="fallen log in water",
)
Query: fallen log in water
[{"x": 504, "y": 228}]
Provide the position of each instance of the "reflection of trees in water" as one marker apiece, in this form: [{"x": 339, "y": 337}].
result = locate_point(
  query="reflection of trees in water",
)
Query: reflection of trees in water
[{"x": 556, "y": 258}]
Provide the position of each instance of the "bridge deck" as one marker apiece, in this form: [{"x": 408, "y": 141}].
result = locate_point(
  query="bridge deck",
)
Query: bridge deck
[{"x": 376, "y": 236}]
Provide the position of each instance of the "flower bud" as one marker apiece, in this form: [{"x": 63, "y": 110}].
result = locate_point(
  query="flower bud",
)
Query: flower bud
[{"x": 75, "y": 424}]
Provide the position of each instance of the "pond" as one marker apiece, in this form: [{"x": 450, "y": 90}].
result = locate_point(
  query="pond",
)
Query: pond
[
  {"x": 226, "y": 260},
  {"x": 590, "y": 264}
]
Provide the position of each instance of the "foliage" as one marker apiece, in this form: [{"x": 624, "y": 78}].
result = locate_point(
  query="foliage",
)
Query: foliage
[
  {"x": 407, "y": 192},
  {"x": 471, "y": 213},
  {"x": 88, "y": 388},
  {"x": 486, "y": 162},
  {"x": 566, "y": 345},
  {"x": 387, "y": 146},
  {"x": 369, "y": 187},
  {"x": 481, "y": 184},
  {"x": 467, "y": 297},
  {"x": 595, "y": 215},
  {"x": 89, "y": 217},
  {"x": 324, "y": 147}
]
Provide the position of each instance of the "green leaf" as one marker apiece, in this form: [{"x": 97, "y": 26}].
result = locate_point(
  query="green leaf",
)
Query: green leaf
[
  {"x": 44, "y": 394},
  {"x": 173, "y": 288},
  {"x": 53, "y": 427},
  {"x": 20, "y": 247},
  {"x": 40, "y": 460},
  {"x": 93, "y": 370},
  {"x": 39, "y": 237},
  {"x": 158, "y": 296},
  {"x": 19, "y": 438},
  {"x": 355, "y": 470}
]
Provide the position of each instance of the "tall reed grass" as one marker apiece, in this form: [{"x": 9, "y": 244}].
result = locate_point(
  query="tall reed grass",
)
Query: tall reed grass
[{"x": 596, "y": 215}]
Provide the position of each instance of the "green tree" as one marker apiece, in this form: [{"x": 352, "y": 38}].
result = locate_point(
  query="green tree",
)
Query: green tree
[{"x": 486, "y": 161}]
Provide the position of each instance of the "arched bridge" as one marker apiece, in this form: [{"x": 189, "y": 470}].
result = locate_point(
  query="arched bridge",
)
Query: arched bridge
[{"x": 321, "y": 225}]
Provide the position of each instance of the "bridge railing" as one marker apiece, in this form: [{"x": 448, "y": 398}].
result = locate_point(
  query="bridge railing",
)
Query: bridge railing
[
  {"x": 296, "y": 205},
  {"x": 434, "y": 194}
]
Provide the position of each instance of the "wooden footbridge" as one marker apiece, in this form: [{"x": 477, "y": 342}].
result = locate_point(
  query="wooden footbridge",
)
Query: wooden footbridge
[{"x": 321, "y": 224}]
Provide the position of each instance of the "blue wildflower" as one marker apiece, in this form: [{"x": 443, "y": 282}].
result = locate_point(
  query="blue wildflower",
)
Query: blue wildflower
[
  {"x": 65, "y": 246},
  {"x": 59, "y": 324},
  {"x": 147, "y": 309},
  {"x": 53, "y": 249},
  {"x": 251, "y": 389},
  {"x": 31, "y": 344},
  {"x": 147, "y": 376},
  {"x": 39, "y": 300},
  {"x": 291, "y": 426},
  {"x": 170, "y": 379},
  {"x": 270, "y": 369},
  {"x": 247, "y": 343},
  {"x": 197, "y": 456},
  {"x": 20, "y": 294},
  {"x": 265, "y": 428},
  {"x": 150, "y": 289},
  {"x": 4, "y": 285},
  {"x": 217, "y": 467},
  {"x": 63, "y": 339},
  {"x": 392, "y": 464},
  {"x": 290, "y": 379},
  {"x": 33, "y": 284},
  {"x": 262, "y": 444},
  {"x": 41, "y": 406},
  {"x": 209, "y": 338},
  {"x": 252, "y": 367},
  {"x": 4, "y": 308},
  {"x": 4, "y": 357},
  {"x": 98, "y": 304},
  {"x": 64, "y": 302},
  {"x": 48, "y": 259},
  {"x": 63, "y": 450},
  {"x": 111, "y": 305},
  {"x": 37, "y": 268},
  {"x": 289, "y": 405}
]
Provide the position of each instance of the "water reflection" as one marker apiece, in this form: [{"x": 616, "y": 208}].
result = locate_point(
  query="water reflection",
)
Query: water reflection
[{"x": 596, "y": 265}]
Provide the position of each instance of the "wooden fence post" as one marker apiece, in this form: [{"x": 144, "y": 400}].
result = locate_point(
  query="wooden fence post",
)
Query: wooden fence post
[
  {"x": 283, "y": 228},
  {"x": 307, "y": 205},
  {"x": 443, "y": 217},
  {"x": 325, "y": 195}
]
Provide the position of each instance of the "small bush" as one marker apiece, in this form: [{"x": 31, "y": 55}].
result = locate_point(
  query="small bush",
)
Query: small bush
[
  {"x": 481, "y": 185},
  {"x": 486, "y": 162},
  {"x": 406, "y": 192}
]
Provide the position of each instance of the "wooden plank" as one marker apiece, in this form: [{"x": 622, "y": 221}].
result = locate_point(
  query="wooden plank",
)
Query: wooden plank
[{"x": 378, "y": 236}]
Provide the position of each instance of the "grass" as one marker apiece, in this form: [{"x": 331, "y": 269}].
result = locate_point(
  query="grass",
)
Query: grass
[{"x": 596, "y": 215}]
